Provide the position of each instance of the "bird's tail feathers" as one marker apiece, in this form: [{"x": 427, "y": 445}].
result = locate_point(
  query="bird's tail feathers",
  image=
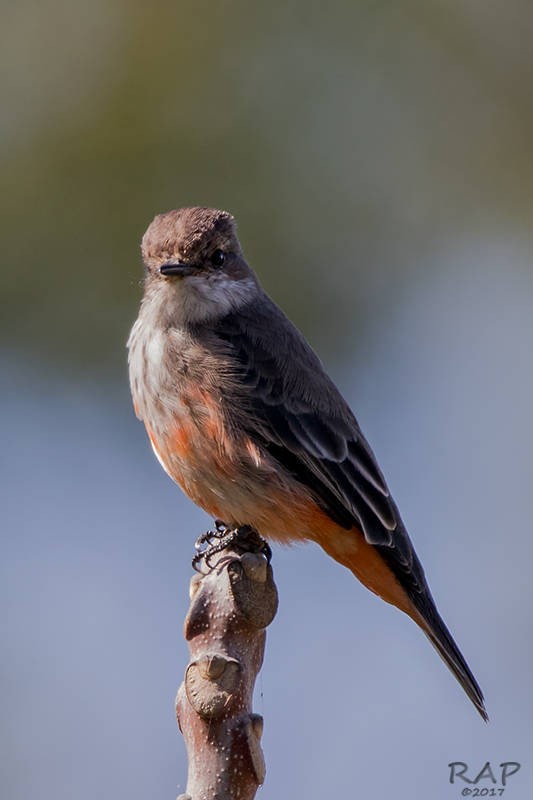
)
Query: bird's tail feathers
[{"x": 440, "y": 637}]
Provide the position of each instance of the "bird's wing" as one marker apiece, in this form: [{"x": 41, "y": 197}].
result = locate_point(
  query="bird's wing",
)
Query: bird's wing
[
  {"x": 295, "y": 411},
  {"x": 299, "y": 416}
]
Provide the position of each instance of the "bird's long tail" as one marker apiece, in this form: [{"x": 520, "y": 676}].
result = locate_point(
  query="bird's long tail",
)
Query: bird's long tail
[
  {"x": 369, "y": 566},
  {"x": 440, "y": 637}
]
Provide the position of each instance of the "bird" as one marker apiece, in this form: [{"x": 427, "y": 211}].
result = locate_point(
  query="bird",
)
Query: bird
[{"x": 242, "y": 415}]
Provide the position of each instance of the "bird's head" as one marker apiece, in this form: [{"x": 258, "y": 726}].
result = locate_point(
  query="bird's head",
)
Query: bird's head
[{"x": 194, "y": 260}]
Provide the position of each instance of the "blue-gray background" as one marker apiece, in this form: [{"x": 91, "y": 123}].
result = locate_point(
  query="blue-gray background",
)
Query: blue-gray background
[{"x": 378, "y": 158}]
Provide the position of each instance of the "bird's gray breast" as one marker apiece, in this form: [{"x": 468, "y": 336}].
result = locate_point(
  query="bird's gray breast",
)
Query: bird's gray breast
[{"x": 158, "y": 367}]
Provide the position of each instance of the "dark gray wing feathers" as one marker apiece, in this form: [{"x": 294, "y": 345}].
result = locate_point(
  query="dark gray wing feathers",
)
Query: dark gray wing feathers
[
  {"x": 295, "y": 407},
  {"x": 297, "y": 414}
]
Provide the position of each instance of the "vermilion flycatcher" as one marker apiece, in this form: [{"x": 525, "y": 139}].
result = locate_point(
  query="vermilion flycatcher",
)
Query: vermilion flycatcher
[{"x": 242, "y": 415}]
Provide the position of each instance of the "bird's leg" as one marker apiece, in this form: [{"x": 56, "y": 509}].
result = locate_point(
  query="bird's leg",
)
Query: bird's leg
[{"x": 243, "y": 539}]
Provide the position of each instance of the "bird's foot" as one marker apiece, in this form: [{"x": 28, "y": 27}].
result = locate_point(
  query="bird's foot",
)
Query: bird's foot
[{"x": 243, "y": 539}]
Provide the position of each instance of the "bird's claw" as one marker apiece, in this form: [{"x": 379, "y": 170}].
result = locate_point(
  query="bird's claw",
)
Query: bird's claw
[{"x": 243, "y": 539}]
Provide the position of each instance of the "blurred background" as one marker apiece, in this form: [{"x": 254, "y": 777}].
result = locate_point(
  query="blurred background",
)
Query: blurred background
[{"x": 378, "y": 159}]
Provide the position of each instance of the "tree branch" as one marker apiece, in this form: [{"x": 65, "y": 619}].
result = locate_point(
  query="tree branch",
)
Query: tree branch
[{"x": 231, "y": 605}]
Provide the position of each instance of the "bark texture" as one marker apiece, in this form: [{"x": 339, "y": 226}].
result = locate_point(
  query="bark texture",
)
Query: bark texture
[{"x": 231, "y": 605}]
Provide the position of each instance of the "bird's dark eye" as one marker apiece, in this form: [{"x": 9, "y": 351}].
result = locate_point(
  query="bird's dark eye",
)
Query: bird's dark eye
[{"x": 218, "y": 258}]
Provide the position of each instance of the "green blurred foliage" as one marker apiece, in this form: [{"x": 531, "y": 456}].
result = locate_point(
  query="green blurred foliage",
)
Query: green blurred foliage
[{"x": 350, "y": 140}]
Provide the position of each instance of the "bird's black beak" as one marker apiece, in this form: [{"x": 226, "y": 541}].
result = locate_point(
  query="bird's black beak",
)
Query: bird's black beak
[{"x": 176, "y": 268}]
